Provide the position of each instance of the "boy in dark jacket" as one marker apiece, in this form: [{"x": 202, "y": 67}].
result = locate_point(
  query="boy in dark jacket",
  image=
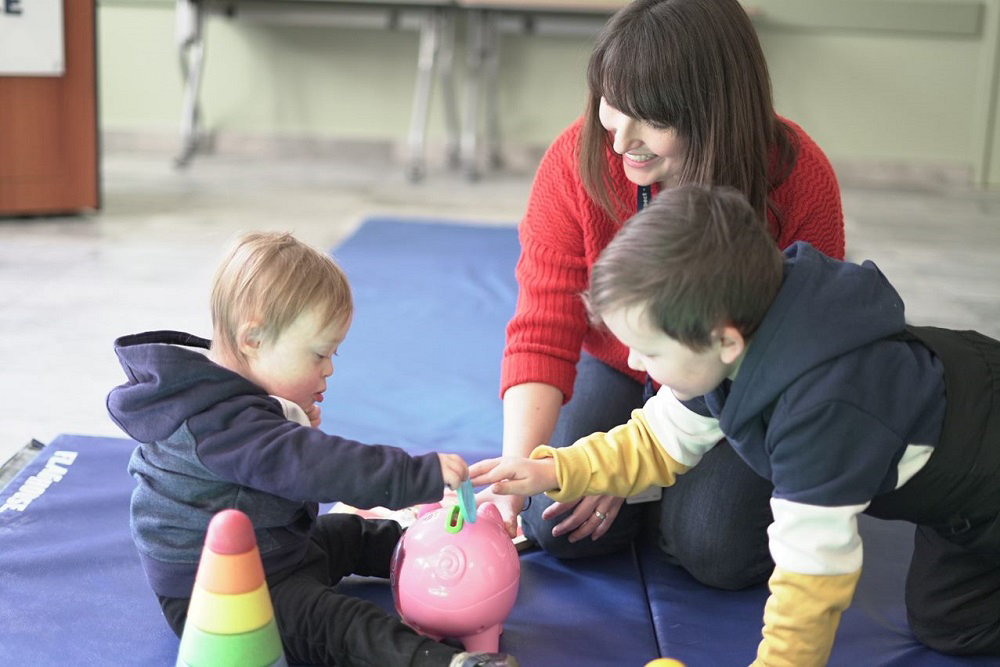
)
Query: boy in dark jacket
[
  {"x": 232, "y": 424},
  {"x": 807, "y": 366}
]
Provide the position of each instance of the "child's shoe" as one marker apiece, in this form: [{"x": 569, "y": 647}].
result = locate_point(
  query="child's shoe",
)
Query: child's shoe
[{"x": 484, "y": 660}]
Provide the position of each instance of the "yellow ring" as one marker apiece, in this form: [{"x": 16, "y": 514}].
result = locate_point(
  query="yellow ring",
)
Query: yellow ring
[{"x": 222, "y": 614}]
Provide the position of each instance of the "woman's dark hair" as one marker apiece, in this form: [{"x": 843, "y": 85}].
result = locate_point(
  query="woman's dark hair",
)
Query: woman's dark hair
[
  {"x": 695, "y": 66},
  {"x": 696, "y": 258}
]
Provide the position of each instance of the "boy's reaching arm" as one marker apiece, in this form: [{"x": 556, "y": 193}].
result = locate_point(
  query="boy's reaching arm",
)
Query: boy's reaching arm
[
  {"x": 659, "y": 442},
  {"x": 662, "y": 440},
  {"x": 515, "y": 475},
  {"x": 622, "y": 462}
]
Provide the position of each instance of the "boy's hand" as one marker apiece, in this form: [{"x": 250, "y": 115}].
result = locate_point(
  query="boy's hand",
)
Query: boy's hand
[
  {"x": 454, "y": 470},
  {"x": 312, "y": 412},
  {"x": 515, "y": 475}
]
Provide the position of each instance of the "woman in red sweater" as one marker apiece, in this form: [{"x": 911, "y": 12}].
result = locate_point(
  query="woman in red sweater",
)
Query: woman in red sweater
[{"x": 679, "y": 93}]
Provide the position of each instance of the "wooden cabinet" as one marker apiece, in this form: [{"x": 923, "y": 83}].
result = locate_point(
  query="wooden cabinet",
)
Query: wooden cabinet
[{"x": 48, "y": 128}]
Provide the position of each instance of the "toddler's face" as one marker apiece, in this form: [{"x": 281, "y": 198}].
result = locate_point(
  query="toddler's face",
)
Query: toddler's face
[
  {"x": 668, "y": 361},
  {"x": 296, "y": 364}
]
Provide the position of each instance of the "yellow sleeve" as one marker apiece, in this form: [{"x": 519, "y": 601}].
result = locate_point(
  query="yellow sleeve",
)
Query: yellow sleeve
[
  {"x": 622, "y": 462},
  {"x": 801, "y": 617}
]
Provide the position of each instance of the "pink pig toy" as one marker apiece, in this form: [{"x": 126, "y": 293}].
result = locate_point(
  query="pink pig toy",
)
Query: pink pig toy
[{"x": 456, "y": 579}]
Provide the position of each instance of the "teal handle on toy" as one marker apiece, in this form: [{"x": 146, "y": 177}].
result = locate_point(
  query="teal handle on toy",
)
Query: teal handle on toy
[{"x": 467, "y": 501}]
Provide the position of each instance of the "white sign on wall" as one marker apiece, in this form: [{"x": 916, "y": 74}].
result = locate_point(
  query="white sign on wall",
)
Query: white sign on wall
[{"x": 31, "y": 38}]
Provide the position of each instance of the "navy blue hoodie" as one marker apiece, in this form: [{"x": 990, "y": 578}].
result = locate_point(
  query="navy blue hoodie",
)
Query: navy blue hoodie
[
  {"x": 211, "y": 440},
  {"x": 826, "y": 400}
]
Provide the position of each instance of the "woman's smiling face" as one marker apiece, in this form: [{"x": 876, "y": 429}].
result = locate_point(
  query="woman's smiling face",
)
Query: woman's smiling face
[{"x": 649, "y": 154}]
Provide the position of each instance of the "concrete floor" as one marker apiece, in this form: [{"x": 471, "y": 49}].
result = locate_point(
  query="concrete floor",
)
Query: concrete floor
[{"x": 71, "y": 285}]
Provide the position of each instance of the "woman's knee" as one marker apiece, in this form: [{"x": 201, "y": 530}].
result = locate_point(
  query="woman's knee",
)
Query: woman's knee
[
  {"x": 562, "y": 548},
  {"x": 717, "y": 564},
  {"x": 602, "y": 399},
  {"x": 714, "y": 521},
  {"x": 621, "y": 534}
]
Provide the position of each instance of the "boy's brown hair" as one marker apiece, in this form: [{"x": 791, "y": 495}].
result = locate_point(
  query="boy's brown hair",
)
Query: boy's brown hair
[
  {"x": 696, "y": 67},
  {"x": 698, "y": 257},
  {"x": 270, "y": 278}
]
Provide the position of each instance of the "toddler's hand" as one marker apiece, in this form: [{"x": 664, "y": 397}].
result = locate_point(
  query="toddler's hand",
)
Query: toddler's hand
[
  {"x": 453, "y": 469},
  {"x": 313, "y": 413}
]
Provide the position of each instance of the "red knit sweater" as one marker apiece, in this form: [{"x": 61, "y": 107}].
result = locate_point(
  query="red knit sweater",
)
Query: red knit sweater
[{"x": 564, "y": 230}]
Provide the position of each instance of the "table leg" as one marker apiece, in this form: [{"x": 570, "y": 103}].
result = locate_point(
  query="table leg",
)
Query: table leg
[
  {"x": 476, "y": 54},
  {"x": 446, "y": 71},
  {"x": 191, "y": 49},
  {"x": 430, "y": 37}
]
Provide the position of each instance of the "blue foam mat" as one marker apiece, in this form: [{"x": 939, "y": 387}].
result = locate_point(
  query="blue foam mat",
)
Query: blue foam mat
[
  {"x": 73, "y": 591},
  {"x": 420, "y": 367},
  {"x": 591, "y": 612},
  {"x": 704, "y": 626},
  {"x": 71, "y": 586}
]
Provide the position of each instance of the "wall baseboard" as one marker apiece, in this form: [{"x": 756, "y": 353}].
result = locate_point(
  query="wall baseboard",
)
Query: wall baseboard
[
  {"x": 933, "y": 177},
  {"x": 517, "y": 158}
]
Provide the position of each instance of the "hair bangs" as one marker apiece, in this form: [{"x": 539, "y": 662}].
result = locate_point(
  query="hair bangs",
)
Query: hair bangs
[
  {"x": 304, "y": 280},
  {"x": 621, "y": 71}
]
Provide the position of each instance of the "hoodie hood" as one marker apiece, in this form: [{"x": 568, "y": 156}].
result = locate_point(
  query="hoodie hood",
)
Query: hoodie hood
[
  {"x": 825, "y": 308},
  {"x": 169, "y": 380}
]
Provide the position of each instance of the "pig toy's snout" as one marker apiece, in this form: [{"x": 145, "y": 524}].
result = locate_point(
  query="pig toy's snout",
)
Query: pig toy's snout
[{"x": 450, "y": 564}]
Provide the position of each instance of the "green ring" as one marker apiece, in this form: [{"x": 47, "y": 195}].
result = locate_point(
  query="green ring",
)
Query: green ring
[{"x": 453, "y": 521}]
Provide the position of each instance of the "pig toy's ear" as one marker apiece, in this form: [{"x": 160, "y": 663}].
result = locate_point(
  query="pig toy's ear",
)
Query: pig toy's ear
[{"x": 489, "y": 511}]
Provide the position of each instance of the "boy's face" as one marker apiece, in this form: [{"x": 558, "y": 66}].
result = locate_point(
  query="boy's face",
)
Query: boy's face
[
  {"x": 671, "y": 363},
  {"x": 296, "y": 364}
]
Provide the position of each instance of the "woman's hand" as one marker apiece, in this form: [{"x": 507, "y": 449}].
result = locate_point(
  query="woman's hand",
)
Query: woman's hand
[{"x": 586, "y": 517}]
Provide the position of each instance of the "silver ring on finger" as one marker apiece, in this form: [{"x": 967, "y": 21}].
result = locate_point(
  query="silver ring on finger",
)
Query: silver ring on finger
[{"x": 601, "y": 516}]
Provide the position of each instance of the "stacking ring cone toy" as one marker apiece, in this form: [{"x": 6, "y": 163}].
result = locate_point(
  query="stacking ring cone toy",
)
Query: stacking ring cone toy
[{"x": 230, "y": 619}]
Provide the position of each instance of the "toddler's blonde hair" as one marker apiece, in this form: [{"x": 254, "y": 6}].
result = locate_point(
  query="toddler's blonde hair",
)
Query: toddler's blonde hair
[{"x": 270, "y": 278}]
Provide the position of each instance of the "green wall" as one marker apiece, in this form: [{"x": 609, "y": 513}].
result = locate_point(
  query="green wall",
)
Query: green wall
[{"x": 872, "y": 80}]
